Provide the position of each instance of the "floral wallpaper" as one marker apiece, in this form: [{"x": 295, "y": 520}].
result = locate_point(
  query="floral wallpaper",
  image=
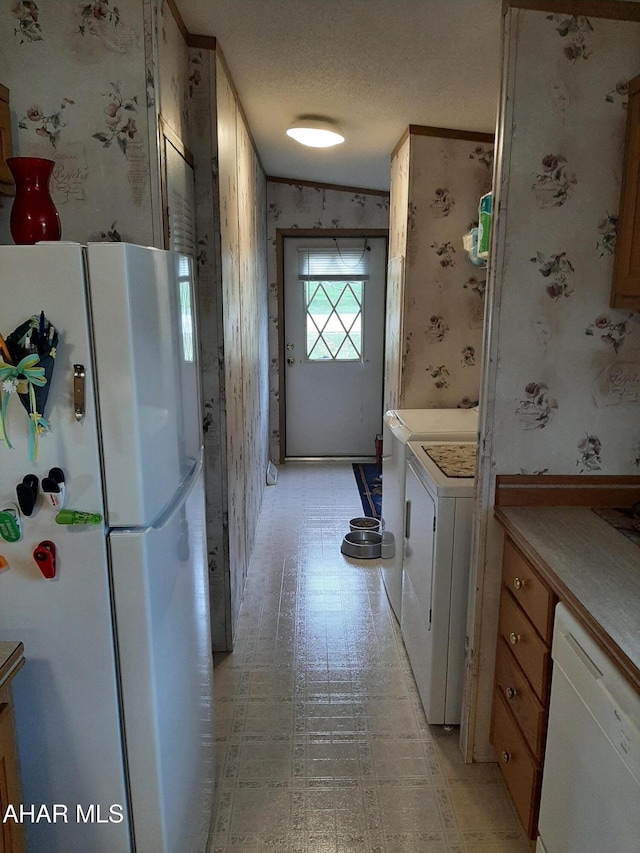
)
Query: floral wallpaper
[
  {"x": 291, "y": 205},
  {"x": 561, "y": 393},
  {"x": 95, "y": 112},
  {"x": 173, "y": 72},
  {"x": 202, "y": 105},
  {"x": 399, "y": 212},
  {"x": 436, "y": 184},
  {"x": 232, "y": 331},
  {"x": 88, "y": 111},
  {"x": 252, "y": 205},
  {"x": 577, "y": 391},
  {"x": 232, "y": 274}
]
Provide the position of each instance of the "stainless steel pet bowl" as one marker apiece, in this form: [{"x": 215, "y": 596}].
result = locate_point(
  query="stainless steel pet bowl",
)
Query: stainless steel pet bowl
[
  {"x": 362, "y": 544},
  {"x": 365, "y": 523}
]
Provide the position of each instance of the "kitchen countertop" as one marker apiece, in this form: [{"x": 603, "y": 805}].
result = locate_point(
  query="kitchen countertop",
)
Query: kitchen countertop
[
  {"x": 591, "y": 566},
  {"x": 11, "y": 660}
]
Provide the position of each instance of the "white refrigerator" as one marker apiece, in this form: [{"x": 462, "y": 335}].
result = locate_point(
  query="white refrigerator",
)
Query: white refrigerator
[{"x": 114, "y": 704}]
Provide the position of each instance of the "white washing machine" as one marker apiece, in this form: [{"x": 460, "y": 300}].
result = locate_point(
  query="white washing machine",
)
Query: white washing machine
[
  {"x": 435, "y": 585},
  {"x": 399, "y": 427}
]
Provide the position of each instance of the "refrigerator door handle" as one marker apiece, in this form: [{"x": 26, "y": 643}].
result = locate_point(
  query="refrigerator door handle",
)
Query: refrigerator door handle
[
  {"x": 177, "y": 504},
  {"x": 79, "y": 375}
]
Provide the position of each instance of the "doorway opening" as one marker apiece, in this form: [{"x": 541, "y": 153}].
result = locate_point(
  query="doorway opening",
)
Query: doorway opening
[{"x": 333, "y": 304}]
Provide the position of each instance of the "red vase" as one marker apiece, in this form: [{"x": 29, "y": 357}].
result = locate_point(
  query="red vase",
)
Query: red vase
[{"x": 33, "y": 215}]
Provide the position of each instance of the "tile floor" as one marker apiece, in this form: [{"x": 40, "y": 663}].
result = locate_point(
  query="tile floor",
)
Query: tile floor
[{"x": 322, "y": 745}]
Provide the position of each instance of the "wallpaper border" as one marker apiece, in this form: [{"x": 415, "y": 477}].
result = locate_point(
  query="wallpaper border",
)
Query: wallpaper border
[
  {"x": 322, "y": 186},
  {"x": 442, "y": 133},
  {"x": 616, "y": 10}
]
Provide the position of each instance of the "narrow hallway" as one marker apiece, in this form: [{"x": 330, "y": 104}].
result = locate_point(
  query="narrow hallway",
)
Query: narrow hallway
[{"x": 321, "y": 742}]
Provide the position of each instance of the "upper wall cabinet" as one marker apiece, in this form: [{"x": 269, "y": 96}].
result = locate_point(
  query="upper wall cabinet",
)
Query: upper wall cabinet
[
  {"x": 6, "y": 181},
  {"x": 625, "y": 292}
]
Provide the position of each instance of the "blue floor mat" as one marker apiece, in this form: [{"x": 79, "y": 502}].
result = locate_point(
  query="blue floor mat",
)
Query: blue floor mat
[{"x": 370, "y": 487}]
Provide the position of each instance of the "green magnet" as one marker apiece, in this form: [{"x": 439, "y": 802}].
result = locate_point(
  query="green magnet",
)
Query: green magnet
[
  {"x": 10, "y": 527},
  {"x": 76, "y": 516}
]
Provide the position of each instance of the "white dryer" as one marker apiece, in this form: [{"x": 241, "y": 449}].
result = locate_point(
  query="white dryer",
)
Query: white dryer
[
  {"x": 399, "y": 427},
  {"x": 435, "y": 585}
]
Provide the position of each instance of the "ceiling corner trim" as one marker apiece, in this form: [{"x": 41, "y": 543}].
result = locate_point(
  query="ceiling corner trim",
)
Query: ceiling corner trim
[
  {"x": 202, "y": 42},
  {"x": 450, "y": 133},
  {"x": 319, "y": 185},
  {"x": 177, "y": 17},
  {"x": 616, "y": 10}
]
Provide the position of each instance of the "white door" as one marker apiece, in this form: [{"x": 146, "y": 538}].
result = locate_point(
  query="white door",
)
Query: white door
[{"x": 334, "y": 306}]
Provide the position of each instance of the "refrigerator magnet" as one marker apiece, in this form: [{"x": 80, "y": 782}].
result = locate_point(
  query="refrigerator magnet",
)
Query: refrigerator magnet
[
  {"x": 45, "y": 556},
  {"x": 32, "y": 347},
  {"x": 10, "y": 524}
]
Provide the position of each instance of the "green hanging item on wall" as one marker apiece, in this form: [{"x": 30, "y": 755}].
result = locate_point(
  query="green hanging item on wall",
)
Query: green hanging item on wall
[
  {"x": 32, "y": 351},
  {"x": 484, "y": 225}
]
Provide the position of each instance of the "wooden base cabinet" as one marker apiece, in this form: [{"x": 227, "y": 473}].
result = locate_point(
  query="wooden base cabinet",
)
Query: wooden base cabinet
[
  {"x": 12, "y": 836},
  {"x": 522, "y": 682},
  {"x": 521, "y": 771},
  {"x": 11, "y": 833}
]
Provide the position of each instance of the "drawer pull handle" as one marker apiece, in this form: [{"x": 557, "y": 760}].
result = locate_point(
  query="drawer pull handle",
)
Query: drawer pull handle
[
  {"x": 510, "y": 692},
  {"x": 514, "y": 638},
  {"x": 518, "y": 583},
  {"x": 506, "y": 756}
]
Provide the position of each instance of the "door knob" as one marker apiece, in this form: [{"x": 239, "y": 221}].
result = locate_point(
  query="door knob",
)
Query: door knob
[
  {"x": 290, "y": 346},
  {"x": 514, "y": 638},
  {"x": 291, "y": 360}
]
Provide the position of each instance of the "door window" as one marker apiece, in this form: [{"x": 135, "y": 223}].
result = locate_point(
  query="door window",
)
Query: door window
[
  {"x": 333, "y": 281},
  {"x": 334, "y": 320}
]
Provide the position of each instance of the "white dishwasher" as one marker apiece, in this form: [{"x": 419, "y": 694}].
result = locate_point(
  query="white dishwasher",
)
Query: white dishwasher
[
  {"x": 591, "y": 781},
  {"x": 435, "y": 582}
]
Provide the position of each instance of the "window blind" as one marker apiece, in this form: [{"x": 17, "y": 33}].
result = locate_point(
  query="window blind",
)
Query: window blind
[
  {"x": 182, "y": 224},
  {"x": 333, "y": 264}
]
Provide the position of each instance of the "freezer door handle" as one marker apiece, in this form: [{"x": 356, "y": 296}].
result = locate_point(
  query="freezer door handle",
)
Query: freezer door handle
[
  {"x": 407, "y": 520},
  {"x": 79, "y": 375}
]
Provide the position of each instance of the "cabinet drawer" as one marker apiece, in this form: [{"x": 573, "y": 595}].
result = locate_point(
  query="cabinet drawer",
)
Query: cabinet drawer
[
  {"x": 521, "y": 773},
  {"x": 531, "y": 593},
  {"x": 531, "y": 652},
  {"x": 523, "y": 703}
]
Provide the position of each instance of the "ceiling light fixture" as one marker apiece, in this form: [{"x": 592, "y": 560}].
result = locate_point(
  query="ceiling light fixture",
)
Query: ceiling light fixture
[{"x": 315, "y": 132}]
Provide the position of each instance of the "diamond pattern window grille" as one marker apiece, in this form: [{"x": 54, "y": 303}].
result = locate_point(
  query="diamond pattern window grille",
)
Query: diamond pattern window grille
[{"x": 333, "y": 320}]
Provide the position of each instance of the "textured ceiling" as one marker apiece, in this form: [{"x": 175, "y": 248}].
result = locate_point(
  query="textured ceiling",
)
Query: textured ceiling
[{"x": 373, "y": 66}]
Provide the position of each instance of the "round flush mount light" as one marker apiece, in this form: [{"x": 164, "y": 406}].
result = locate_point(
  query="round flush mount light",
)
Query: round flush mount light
[{"x": 315, "y": 132}]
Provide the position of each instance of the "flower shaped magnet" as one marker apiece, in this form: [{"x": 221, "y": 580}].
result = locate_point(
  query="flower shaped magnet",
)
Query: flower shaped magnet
[{"x": 26, "y": 367}]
